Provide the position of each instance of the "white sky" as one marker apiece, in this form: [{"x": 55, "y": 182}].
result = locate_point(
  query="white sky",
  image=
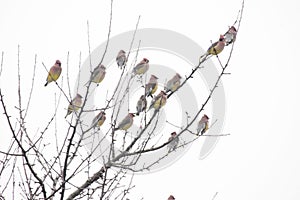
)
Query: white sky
[{"x": 260, "y": 159}]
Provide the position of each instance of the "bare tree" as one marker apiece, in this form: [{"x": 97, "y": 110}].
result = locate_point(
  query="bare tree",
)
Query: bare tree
[{"x": 81, "y": 163}]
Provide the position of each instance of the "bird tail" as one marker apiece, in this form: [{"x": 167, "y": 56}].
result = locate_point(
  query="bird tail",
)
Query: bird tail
[
  {"x": 67, "y": 114},
  {"x": 86, "y": 83},
  {"x": 203, "y": 57},
  {"x": 46, "y": 84}
]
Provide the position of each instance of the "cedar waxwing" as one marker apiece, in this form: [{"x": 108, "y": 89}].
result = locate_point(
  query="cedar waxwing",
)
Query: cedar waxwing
[
  {"x": 99, "y": 119},
  {"x": 171, "y": 197},
  {"x": 159, "y": 101},
  {"x": 54, "y": 72},
  {"x": 215, "y": 48},
  {"x": 141, "y": 68},
  {"x": 151, "y": 86},
  {"x": 173, "y": 84},
  {"x": 230, "y": 35},
  {"x": 121, "y": 58},
  {"x": 173, "y": 141},
  {"x": 98, "y": 74},
  {"x": 141, "y": 105},
  {"x": 126, "y": 123},
  {"x": 203, "y": 125},
  {"x": 74, "y": 105}
]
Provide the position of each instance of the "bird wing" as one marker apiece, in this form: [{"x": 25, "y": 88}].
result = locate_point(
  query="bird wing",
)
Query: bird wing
[
  {"x": 96, "y": 119},
  {"x": 96, "y": 73},
  {"x": 200, "y": 127},
  {"x": 150, "y": 88},
  {"x": 139, "y": 105},
  {"x": 140, "y": 68},
  {"x": 124, "y": 122},
  {"x": 121, "y": 59},
  {"x": 54, "y": 73}
]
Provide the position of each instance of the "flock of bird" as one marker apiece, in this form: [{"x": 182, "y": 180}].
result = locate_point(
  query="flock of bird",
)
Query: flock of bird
[{"x": 151, "y": 87}]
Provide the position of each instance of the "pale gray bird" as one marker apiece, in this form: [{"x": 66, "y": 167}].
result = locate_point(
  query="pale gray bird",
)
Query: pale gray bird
[
  {"x": 126, "y": 123},
  {"x": 151, "y": 86},
  {"x": 159, "y": 101},
  {"x": 99, "y": 119},
  {"x": 74, "y": 105},
  {"x": 173, "y": 83},
  {"x": 141, "y": 105},
  {"x": 174, "y": 140},
  {"x": 230, "y": 35},
  {"x": 203, "y": 125},
  {"x": 98, "y": 74},
  {"x": 141, "y": 68},
  {"x": 121, "y": 58}
]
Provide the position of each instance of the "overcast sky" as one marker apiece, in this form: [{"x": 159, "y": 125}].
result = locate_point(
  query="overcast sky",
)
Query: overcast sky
[{"x": 260, "y": 159}]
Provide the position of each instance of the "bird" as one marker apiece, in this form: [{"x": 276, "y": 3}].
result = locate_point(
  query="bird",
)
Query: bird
[
  {"x": 151, "y": 86},
  {"x": 99, "y": 119},
  {"x": 230, "y": 35},
  {"x": 98, "y": 74},
  {"x": 74, "y": 105},
  {"x": 215, "y": 48},
  {"x": 171, "y": 197},
  {"x": 141, "y": 105},
  {"x": 141, "y": 68},
  {"x": 121, "y": 58},
  {"x": 173, "y": 83},
  {"x": 54, "y": 72},
  {"x": 203, "y": 125},
  {"x": 126, "y": 123},
  {"x": 173, "y": 141},
  {"x": 159, "y": 101}
]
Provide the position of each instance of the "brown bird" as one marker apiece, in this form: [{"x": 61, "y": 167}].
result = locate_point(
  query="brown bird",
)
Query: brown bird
[
  {"x": 215, "y": 48},
  {"x": 74, "y": 105},
  {"x": 141, "y": 68},
  {"x": 151, "y": 86},
  {"x": 54, "y": 72},
  {"x": 171, "y": 197},
  {"x": 99, "y": 119},
  {"x": 98, "y": 74},
  {"x": 159, "y": 101},
  {"x": 141, "y": 105},
  {"x": 126, "y": 123},
  {"x": 173, "y": 83},
  {"x": 203, "y": 125},
  {"x": 230, "y": 35},
  {"x": 174, "y": 140},
  {"x": 121, "y": 58}
]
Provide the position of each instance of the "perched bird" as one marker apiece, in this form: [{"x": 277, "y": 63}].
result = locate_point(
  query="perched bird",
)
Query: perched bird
[
  {"x": 203, "y": 125},
  {"x": 230, "y": 35},
  {"x": 141, "y": 105},
  {"x": 141, "y": 68},
  {"x": 215, "y": 48},
  {"x": 74, "y": 105},
  {"x": 151, "y": 86},
  {"x": 173, "y": 84},
  {"x": 174, "y": 140},
  {"x": 121, "y": 58},
  {"x": 54, "y": 72},
  {"x": 99, "y": 119},
  {"x": 126, "y": 123},
  {"x": 171, "y": 197},
  {"x": 98, "y": 74},
  {"x": 159, "y": 101}
]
